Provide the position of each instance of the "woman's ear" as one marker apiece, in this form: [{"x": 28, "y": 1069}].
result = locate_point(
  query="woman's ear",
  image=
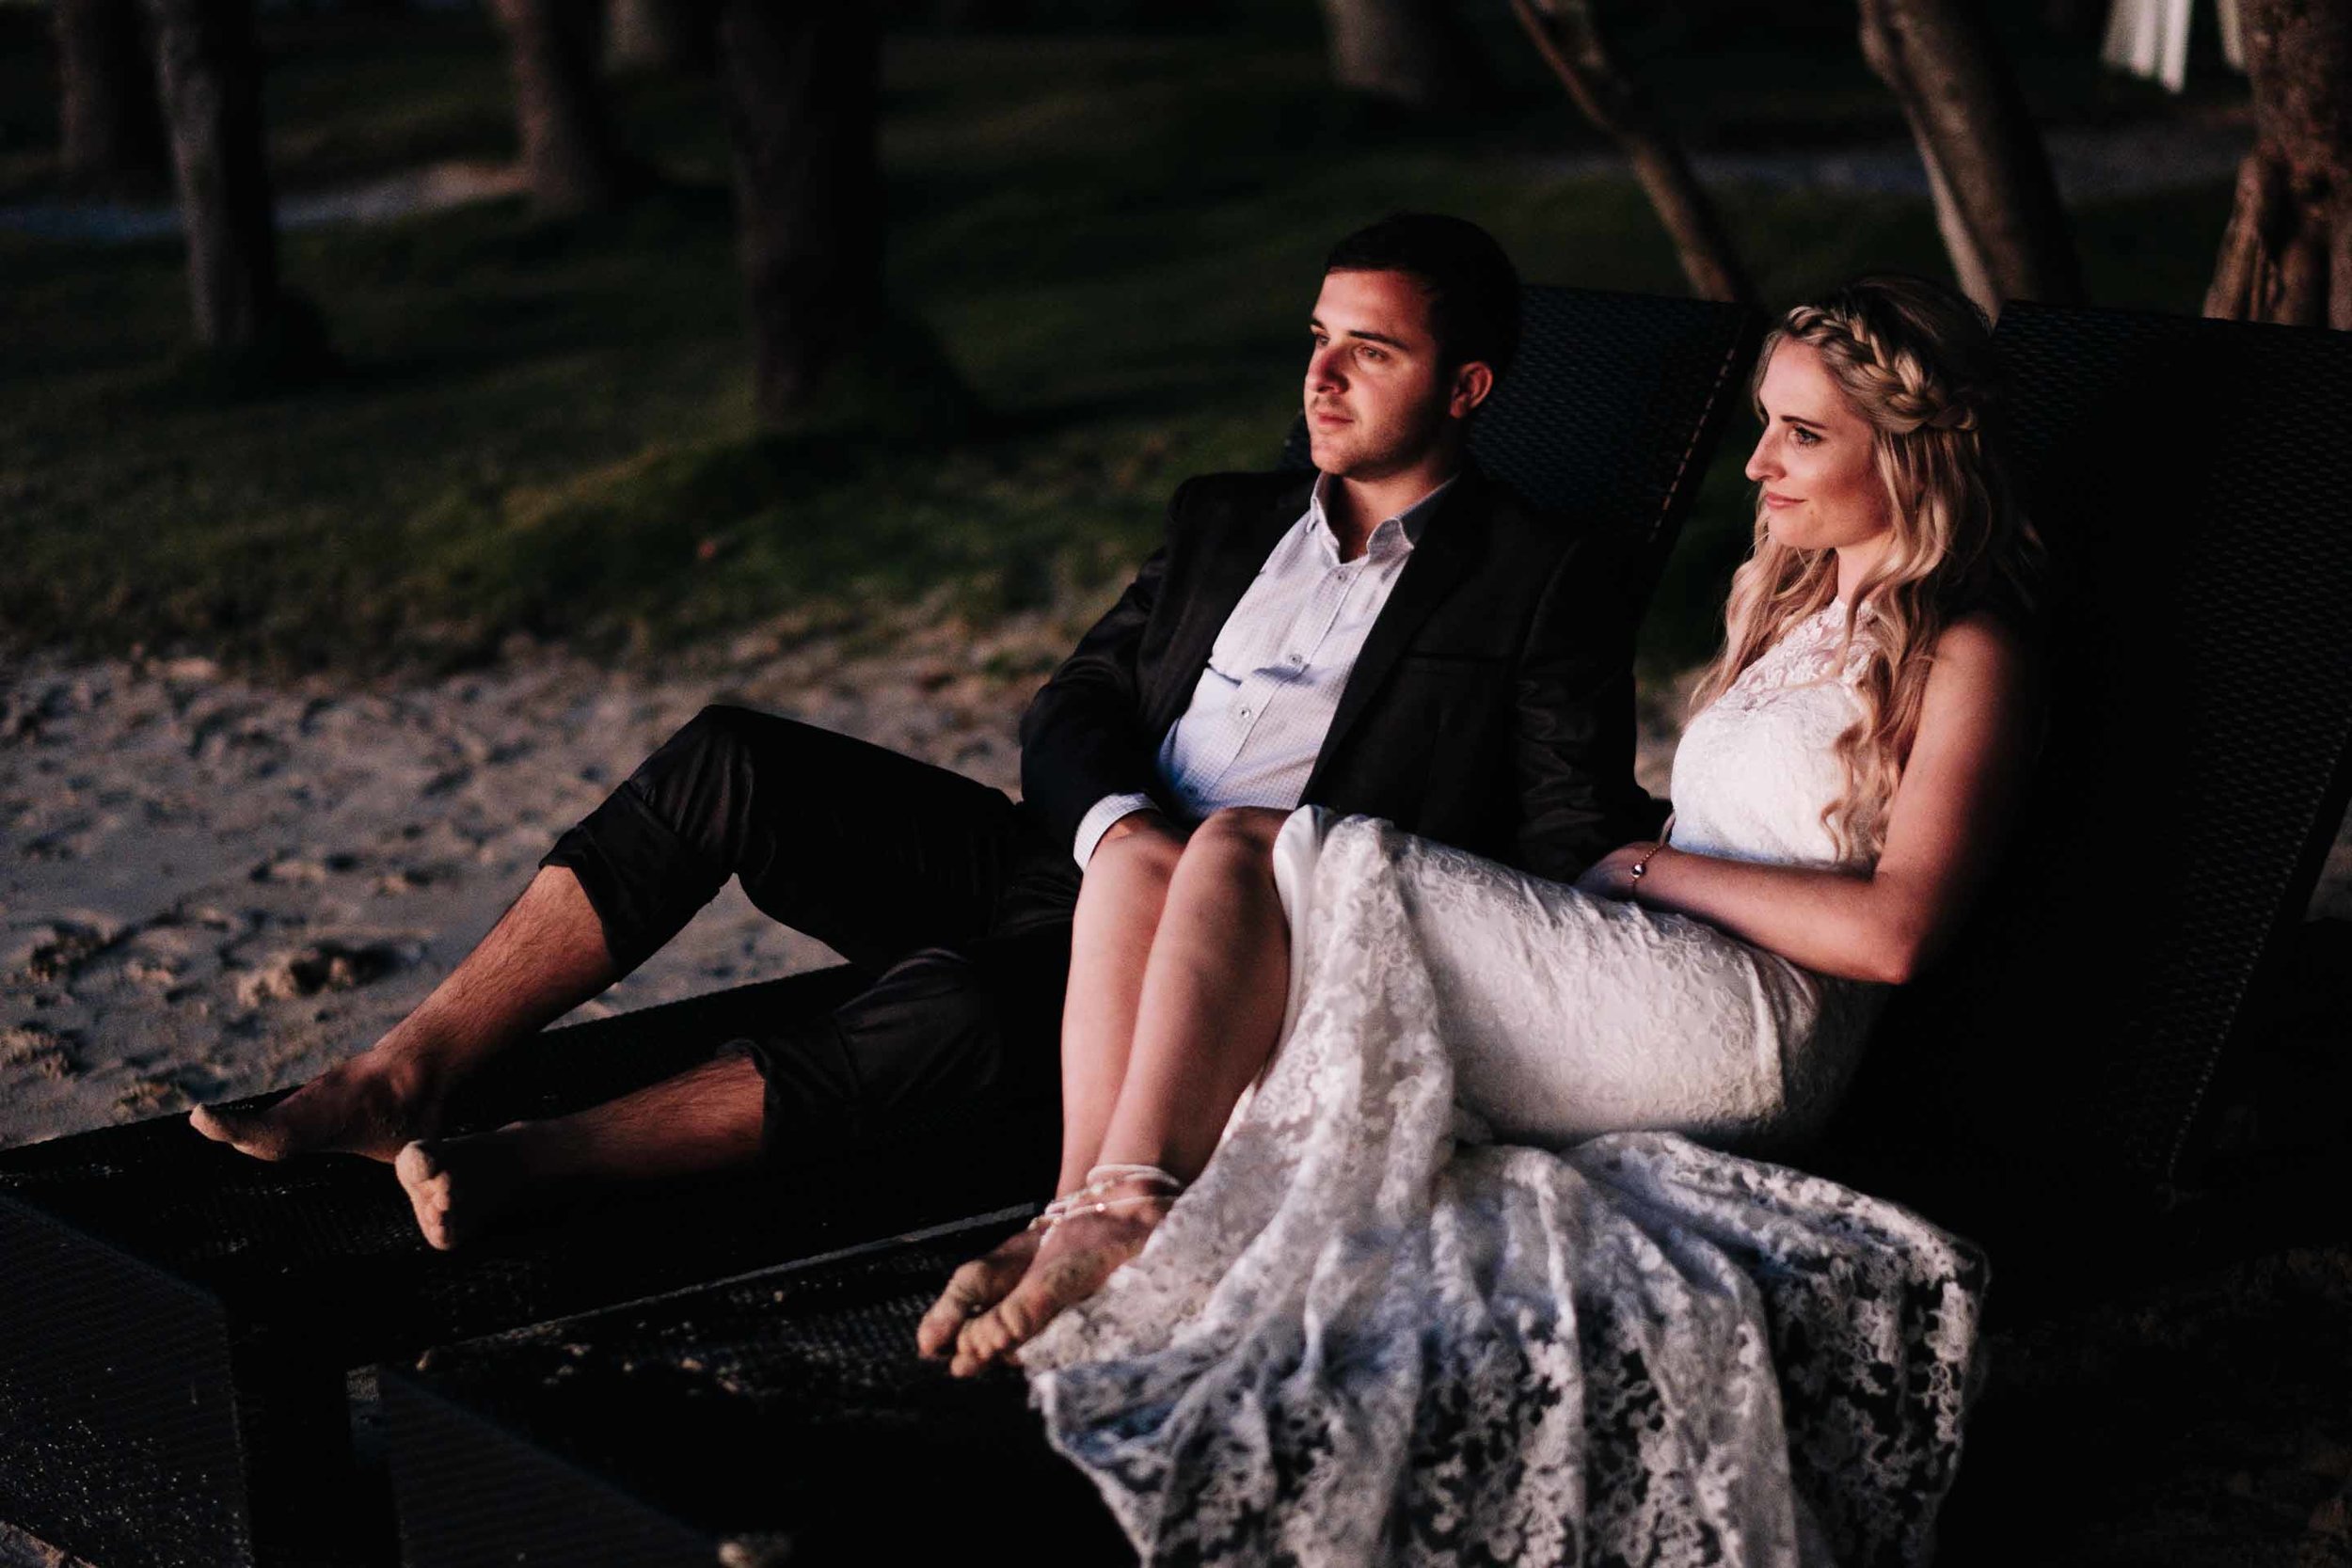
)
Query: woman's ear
[{"x": 1472, "y": 382}]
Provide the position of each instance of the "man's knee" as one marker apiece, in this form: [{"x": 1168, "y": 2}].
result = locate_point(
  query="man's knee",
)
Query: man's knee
[
  {"x": 718, "y": 738},
  {"x": 940, "y": 1023}
]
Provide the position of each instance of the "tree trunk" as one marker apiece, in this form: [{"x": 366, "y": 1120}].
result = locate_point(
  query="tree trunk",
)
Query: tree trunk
[
  {"x": 1568, "y": 34},
  {"x": 110, "y": 131},
  {"x": 801, "y": 90},
  {"x": 211, "y": 79},
  {"x": 2287, "y": 254},
  {"x": 660, "y": 35},
  {"x": 1996, "y": 199},
  {"x": 570, "y": 165},
  {"x": 1413, "y": 52}
]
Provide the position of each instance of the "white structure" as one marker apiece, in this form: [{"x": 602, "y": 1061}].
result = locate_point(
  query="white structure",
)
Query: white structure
[{"x": 2149, "y": 37}]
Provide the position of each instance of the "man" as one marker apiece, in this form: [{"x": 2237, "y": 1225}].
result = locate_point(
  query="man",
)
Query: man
[{"x": 1396, "y": 637}]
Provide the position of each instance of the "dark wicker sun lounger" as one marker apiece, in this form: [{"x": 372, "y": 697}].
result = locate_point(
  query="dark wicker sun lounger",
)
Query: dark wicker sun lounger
[
  {"x": 2052, "y": 1089},
  {"x": 176, "y": 1322},
  {"x": 2208, "y": 641},
  {"x": 778, "y": 1418}
]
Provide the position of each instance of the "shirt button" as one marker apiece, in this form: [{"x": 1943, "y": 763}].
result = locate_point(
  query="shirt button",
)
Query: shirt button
[
  {"x": 1244, "y": 713},
  {"x": 1298, "y": 659}
]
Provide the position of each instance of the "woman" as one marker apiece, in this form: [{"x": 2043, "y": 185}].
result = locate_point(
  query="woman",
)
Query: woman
[{"x": 1377, "y": 1325}]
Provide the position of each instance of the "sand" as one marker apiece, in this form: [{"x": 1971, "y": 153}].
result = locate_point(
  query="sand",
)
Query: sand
[{"x": 210, "y": 887}]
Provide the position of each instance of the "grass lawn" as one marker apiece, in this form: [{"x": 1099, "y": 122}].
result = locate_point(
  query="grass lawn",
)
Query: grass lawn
[{"x": 545, "y": 428}]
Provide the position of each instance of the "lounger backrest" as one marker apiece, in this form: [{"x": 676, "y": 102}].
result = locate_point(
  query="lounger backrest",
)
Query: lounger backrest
[
  {"x": 1611, "y": 406},
  {"x": 2195, "y": 480}
]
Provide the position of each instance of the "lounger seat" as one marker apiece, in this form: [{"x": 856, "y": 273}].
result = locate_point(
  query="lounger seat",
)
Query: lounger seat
[
  {"x": 2053, "y": 1088},
  {"x": 176, "y": 1322}
]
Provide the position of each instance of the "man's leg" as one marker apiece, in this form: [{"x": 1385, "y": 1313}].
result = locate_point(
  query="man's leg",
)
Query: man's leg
[
  {"x": 544, "y": 957},
  {"x": 944, "y": 1040},
  {"x": 869, "y": 851},
  {"x": 704, "y": 1120}
]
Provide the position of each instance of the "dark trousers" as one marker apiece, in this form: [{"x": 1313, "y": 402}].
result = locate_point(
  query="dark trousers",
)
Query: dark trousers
[{"x": 945, "y": 887}]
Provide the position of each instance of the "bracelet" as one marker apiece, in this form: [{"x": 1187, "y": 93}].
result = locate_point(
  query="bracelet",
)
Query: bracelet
[{"x": 1642, "y": 865}]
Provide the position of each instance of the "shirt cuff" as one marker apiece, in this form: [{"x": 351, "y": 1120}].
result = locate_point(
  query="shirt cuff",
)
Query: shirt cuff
[{"x": 1098, "y": 820}]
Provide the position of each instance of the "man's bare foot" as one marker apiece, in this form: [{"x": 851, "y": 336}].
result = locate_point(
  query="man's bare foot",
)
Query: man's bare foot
[
  {"x": 974, "y": 1287},
  {"x": 460, "y": 1187},
  {"x": 1078, "y": 1255},
  {"x": 371, "y": 1104}
]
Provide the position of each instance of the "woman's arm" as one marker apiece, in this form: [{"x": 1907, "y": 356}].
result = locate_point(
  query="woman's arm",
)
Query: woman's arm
[{"x": 1949, "y": 816}]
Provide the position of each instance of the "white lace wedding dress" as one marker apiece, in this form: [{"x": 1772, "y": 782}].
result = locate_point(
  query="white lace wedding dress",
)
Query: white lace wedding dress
[{"x": 1473, "y": 1278}]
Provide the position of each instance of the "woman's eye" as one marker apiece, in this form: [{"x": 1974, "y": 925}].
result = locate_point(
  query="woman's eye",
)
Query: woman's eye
[{"x": 1803, "y": 436}]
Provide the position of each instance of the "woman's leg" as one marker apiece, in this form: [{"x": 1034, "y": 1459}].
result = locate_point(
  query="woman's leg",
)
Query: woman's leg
[
  {"x": 1118, "y": 909},
  {"x": 1209, "y": 1012}
]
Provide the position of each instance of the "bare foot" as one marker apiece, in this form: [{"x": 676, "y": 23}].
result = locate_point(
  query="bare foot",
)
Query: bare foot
[
  {"x": 460, "y": 1187},
  {"x": 974, "y": 1287},
  {"x": 1078, "y": 1255},
  {"x": 371, "y": 1104}
]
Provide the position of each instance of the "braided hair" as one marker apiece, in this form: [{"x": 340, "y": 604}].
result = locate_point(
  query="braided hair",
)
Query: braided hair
[{"x": 1915, "y": 360}]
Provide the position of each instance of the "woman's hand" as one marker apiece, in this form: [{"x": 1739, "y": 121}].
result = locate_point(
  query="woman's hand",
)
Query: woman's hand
[{"x": 1611, "y": 876}]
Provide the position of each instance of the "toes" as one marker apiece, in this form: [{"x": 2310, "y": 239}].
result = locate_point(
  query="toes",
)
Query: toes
[
  {"x": 973, "y": 1289},
  {"x": 962, "y": 1297},
  {"x": 256, "y": 1134},
  {"x": 983, "y": 1340},
  {"x": 428, "y": 1188},
  {"x": 1037, "y": 1301},
  {"x": 1005, "y": 1326}
]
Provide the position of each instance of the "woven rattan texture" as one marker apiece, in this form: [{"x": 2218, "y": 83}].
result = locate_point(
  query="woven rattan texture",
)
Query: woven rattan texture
[
  {"x": 488, "y": 1491},
  {"x": 788, "y": 1405},
  {"x": 117, "y": 1430},
  {"x": 1611, "y": 408},
  {"x": 296, "y": 1271},
  {"x": 2195, "y": 480}
]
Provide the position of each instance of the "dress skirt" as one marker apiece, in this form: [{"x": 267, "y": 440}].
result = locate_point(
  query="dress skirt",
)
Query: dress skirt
[{"x": 1432, "y": 1302}]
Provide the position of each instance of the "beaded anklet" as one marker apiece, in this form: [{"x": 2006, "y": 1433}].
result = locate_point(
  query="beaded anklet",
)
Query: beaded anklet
[{"x": 1087, "y": 1199}]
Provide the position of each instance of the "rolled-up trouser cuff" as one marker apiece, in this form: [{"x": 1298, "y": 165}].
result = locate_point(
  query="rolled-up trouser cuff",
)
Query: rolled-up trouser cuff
[
  {"x": 800, "y": 1071},
  {"x": 642, "y": 879}
]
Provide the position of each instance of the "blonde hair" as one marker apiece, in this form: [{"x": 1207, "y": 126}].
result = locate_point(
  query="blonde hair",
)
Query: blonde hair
[{"x": 1915, "y": 361}]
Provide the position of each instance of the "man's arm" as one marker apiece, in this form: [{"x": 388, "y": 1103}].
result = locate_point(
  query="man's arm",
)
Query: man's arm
[
  {"x": 1082, "y": 739},
  {"x": 1574, "y": 745}
]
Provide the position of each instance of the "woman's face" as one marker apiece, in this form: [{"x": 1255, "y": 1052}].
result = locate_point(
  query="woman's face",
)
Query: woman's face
[{"x": 1821, "y": 492}]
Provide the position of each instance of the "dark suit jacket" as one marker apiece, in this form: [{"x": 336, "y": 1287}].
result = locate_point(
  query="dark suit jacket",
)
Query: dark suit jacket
[{"x": 1492, "y": 707}]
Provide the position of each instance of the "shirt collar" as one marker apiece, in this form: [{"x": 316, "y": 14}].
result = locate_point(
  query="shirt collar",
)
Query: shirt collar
[{"x": 1402, "y": 532}]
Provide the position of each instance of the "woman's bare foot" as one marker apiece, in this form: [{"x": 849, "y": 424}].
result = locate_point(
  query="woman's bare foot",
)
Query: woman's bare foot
[
  {"x": 460, "y": 1187},
  {"x": 974, "y": 1287},
  {"x": 372, "y": 1105},
  {"x": 1078, "y": 1255}
]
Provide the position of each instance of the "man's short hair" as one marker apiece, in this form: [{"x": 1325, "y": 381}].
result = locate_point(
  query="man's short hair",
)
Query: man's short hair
[{"x": 1473, "y": 290}]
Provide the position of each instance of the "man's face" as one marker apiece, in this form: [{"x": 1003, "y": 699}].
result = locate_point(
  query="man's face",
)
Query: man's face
[{"x": 1376, "y": 399}]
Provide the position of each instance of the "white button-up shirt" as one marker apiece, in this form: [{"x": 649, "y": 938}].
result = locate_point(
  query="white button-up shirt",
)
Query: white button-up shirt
[{"x": 1263, "y": 707}]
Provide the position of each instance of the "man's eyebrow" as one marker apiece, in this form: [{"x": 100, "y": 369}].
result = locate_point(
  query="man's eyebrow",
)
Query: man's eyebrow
[{"x": 1368, "y": 337}]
